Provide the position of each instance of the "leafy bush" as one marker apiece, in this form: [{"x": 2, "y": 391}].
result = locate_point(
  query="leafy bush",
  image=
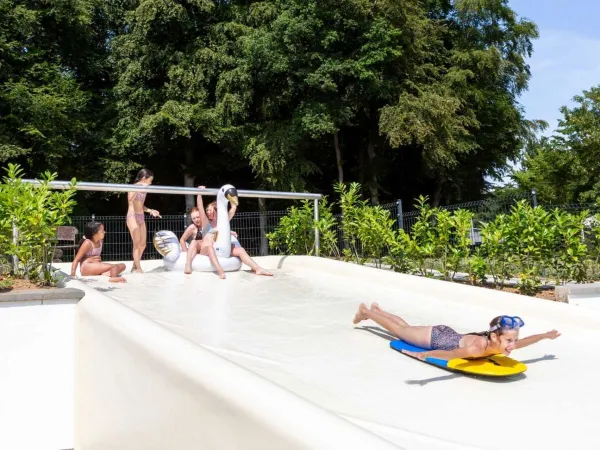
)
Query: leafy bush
[
  {"x": 528, "y": 243},
  {"x": 592, "y": 241},
  {"x": 422, "y": 239},
  {"x": 568, "y": 258},
  {"x": 351, "y": 206},
  {"x": 34, "y": 212},
  {"x": 375, "y": 233},
  {"x": 295, "y": 234},
  {"x": 368, "y": 231},
  {"x": 5, "y": 283},
  {"x": 494, "y": 249}
]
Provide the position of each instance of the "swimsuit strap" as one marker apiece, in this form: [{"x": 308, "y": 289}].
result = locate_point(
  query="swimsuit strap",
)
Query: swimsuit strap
[{"x": 95, "y": 251}]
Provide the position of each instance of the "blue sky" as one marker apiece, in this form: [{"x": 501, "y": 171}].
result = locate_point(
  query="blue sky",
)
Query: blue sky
[{"x": 566, "y": 58}]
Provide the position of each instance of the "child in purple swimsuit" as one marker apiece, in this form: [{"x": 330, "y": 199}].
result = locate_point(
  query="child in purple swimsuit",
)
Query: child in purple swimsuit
[
  {"x": 445, "y": 343},
  {"x": 88, "y": 255}
]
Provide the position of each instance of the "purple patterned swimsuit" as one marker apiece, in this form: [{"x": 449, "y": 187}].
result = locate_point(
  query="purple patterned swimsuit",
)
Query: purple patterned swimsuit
[{"x": 444, "y": 338}]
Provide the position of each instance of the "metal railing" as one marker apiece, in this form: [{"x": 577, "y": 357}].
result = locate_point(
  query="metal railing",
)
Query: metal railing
[
  {"x": 252, "y": 229},
  {"x": 118, "y": 243}
]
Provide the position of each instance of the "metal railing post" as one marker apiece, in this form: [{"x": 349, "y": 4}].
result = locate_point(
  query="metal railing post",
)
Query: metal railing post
[
  {"x": 399, "y": 212},
  {"x": 534, "y": 197},
  {"x": 317, "y": 243},
  {"x": 15, "y": 235}
]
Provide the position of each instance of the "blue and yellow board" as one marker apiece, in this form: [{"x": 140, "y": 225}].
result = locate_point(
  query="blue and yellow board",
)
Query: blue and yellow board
[{"x": 490, "y": 366}]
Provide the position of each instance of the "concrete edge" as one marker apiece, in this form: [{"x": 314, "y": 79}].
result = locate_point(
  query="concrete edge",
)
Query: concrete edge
[
  {"x": 563, "y": 293},
  {"x": 44, "y": 296}
]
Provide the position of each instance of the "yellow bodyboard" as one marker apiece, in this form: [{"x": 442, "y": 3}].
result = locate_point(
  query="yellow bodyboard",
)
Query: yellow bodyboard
[{"x": 491, "y": 366}]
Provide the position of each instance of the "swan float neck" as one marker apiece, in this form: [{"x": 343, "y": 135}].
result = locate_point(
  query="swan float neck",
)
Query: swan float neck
[{"x": 222, "y": 244}]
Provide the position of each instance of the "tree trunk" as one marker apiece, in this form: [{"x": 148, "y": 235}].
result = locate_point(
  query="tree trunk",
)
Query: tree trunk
[
  {"x": 188, "y": 178},
  {"x": 361, "y": 166},
  {"x": 373, "y": 184},
  {"x": 338, "y": 157},
  {"x": 437, "y": 195},
  {"x": 264, "y": 243}
]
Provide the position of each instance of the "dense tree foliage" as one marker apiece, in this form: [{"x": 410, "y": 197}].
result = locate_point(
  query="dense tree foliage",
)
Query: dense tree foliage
[
  {"x": 565, "y": 168},
  {"x": 418, "y": 96}
]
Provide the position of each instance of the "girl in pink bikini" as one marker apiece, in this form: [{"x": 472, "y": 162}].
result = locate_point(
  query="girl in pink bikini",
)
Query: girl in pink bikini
[
  {"x": 135, "y": 217},
  {"x": 88, "y": 254}
]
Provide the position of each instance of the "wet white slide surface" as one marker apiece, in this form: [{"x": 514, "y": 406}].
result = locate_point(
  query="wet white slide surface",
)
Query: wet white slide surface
[{"x": 296, "y": 330}]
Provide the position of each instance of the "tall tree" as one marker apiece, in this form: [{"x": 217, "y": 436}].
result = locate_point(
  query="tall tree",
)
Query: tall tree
[
  {"x": 54, "y": 84},
  {"x": 565, "y": 168},
  {"x": 467, "y": 119},
  {"x": 178, "y": 89}
]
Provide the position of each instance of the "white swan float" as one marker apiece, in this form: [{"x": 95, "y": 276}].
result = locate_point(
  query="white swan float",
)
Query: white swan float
[{"x": 167, "y": 243}]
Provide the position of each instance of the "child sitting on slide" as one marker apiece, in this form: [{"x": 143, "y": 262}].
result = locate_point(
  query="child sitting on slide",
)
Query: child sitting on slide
[{"x": 88, "y": 254}]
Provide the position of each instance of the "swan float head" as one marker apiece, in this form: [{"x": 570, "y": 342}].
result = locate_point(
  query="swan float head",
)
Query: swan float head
[{"x": 229, "y": 193}]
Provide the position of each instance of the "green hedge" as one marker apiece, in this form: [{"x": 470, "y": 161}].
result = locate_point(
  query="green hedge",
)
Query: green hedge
[{"x": 528, "y": 243}]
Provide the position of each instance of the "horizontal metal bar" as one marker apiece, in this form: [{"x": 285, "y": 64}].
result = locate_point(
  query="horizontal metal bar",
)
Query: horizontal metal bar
[{"x": 110, "y": 187}]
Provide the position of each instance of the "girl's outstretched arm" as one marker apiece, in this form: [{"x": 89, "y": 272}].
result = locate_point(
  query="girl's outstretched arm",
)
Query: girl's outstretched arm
[
  {"x": 200, "y": 206},
  {"x": 534, "y": 339}
]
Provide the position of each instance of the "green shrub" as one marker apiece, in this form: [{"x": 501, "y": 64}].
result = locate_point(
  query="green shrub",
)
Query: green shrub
[
  {"x": 568, "y": 258},
  {"x": 494, "y": 249},
  {"x": 352, "y": 211},
  {"x": 295, "y": 234},
  {"x": 524, "y": 244},
  {"x": 421, "y": 244},
  {"x": 34, "y": 212}
]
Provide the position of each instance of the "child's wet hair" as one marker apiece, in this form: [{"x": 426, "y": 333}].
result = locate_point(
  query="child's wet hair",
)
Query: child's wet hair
[
  {"x": 494, "y": 322},
  {"x": 144, "y": 173},
  {"x": 89, "y": 231}
]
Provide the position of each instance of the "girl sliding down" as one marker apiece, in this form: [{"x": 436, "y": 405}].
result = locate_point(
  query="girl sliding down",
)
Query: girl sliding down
[
  {"x": 445, "y": 343},
  {"x": 88, "y": 254}
]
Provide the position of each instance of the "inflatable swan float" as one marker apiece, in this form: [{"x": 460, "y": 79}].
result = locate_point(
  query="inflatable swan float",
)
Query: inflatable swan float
[{"x": 167, "y": 243}]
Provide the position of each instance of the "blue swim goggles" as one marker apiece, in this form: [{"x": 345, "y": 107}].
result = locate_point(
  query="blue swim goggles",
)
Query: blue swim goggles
[{"x": 508, "y": 322}]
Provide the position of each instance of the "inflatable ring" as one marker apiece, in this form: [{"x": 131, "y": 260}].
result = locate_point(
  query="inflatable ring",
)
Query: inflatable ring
[{"x": 167, "y": 244}]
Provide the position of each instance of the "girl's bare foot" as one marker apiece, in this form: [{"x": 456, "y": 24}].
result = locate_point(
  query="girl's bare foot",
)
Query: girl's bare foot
[
  {"x": 360, "y": 314},
  {"x": 187, "y": 270},
  {"x": 375, "y": 307},
  {"x": 136, "y": 270},
  {"x": 222, "y": 275},
  {"x": 261, "y": 271},
  {"x": 117, "y": 280}
]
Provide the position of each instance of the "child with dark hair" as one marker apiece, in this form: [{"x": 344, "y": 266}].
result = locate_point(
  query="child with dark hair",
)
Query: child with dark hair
[
  {"x": 135, "y": 217},
  {"x": 88, "y": 255},
  {"x": 442, "y": 342}
]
